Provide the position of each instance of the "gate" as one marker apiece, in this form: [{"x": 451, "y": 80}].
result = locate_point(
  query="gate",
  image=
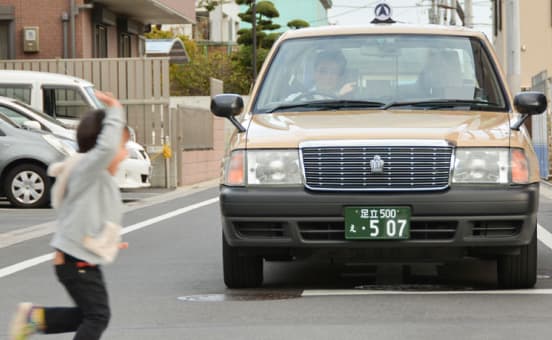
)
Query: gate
[{"x": 540, "y": 127}]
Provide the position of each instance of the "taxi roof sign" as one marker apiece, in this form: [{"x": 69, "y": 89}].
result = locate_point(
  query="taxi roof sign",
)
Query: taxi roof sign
[{"x": 382, "y": 14}]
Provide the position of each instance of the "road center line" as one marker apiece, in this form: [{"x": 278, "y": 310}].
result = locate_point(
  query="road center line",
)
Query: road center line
[{"x": 6, "y": 271}]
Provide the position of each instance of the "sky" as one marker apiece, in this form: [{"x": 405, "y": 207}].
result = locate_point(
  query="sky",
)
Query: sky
[{"x": 358, "y": 12}]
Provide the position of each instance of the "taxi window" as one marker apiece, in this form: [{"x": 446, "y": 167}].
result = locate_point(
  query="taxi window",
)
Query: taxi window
[{"x": 380, "y": 68}]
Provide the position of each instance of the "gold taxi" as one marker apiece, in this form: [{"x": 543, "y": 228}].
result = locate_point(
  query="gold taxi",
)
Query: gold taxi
[{"x": 386, "y": 142}]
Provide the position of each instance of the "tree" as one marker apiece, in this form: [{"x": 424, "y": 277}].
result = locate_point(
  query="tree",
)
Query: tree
[
  {"x": 265, "y": 12},
  {"x": 209, "y": 5},
  {"x": 297, "y": 24}
]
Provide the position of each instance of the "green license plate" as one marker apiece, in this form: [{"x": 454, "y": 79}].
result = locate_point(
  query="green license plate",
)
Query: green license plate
[{"x": 377, "y": 223}]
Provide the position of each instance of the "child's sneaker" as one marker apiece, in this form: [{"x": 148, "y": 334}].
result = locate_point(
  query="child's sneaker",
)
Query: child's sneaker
[{"x": 21, "y": 326}]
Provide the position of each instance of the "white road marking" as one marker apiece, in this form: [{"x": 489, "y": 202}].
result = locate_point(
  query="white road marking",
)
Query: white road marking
[
  {"x": 354, "y": 292},
  {"x": 6, "y": 271},
  {"x": 544, "y": 236}
]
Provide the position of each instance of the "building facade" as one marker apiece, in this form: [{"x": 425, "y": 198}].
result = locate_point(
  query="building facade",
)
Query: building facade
[
  {"x": 46, "y": 29},
  {"x": 219, "y": 25},
  {"x": 535, "y": 25}
]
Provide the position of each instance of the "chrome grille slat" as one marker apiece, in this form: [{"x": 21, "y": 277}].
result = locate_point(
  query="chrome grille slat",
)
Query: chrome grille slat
[{"x": 349, "y": 167}]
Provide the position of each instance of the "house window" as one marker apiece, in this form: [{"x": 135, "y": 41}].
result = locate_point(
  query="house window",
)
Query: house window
[
  {"x": 125, "y": 45},
  {"x": 5, "y": 39},
  {"x": 100, "y": 41}
]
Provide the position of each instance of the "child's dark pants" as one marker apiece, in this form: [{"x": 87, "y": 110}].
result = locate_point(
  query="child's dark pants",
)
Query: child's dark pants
[{"x": 86, "y": 286}]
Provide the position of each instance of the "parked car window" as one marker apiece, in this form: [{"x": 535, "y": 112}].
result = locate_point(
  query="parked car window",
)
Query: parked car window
[
  {"x": 13, "y": 115},
  {"x": 381, "y": 68},
  {"x": 41, "y": 114},
  {"x": 20, "y": 92},
  {"x": 64, "y": 102},
  {"x": 8, "y": 120},
  {"x": 92, "y": 95}
]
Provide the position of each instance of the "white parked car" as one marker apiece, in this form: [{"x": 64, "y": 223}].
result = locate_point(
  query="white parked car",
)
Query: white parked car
[{"x": 134, "y": 172}]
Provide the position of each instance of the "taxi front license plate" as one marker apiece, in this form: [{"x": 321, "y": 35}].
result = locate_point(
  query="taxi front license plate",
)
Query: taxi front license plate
[{"x": 377, "y": 223}]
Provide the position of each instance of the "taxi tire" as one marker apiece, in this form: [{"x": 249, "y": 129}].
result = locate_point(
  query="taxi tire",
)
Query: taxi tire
[
  {"x": 241, "y": 271},
  {"x": 519, "y": 271}
]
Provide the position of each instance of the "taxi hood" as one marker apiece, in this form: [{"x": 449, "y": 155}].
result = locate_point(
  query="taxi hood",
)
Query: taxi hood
[{"x": 461, "y": 128}]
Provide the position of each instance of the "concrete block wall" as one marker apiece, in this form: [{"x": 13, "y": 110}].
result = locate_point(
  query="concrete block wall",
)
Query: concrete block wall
[{"x": 202, "y": 165}]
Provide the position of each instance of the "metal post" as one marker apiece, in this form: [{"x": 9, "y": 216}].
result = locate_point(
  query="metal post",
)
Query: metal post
[
  {"x": 64, "y": 20},
  {"x": 254, "y": 37},
  {"x": 453, "y": 12},
  {"x": 513, "y": 57},
  {"x": 72, "y": 14},
  {"x": 468, "y": 9}
]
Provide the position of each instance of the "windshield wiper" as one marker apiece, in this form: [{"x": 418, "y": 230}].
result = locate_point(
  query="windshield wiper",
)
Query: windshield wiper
[
  {"x": 443, "y": 103},
  {"x": 328, "y": 105}
]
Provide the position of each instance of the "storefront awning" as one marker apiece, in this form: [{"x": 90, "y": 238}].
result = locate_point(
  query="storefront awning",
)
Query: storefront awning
[{"x": 173, "y": 48}]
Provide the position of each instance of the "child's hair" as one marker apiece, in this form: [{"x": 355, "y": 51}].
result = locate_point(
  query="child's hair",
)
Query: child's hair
[{"x": 89, "y": 129}]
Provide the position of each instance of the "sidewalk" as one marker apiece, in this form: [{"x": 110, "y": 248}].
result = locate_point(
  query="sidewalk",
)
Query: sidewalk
[
  {"x": 18, "y": 225},
  {"x": 546, "y": 189}
]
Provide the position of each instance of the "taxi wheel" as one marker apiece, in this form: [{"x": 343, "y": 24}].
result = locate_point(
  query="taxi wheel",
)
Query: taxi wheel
[
  {"x": 519, "y": 271},
  {"x": 28, "y": 186},
  {"x": 241, "y": 271}
]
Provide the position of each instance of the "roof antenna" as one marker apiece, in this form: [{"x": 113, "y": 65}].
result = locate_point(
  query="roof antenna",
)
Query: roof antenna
[{"x": 382, "y": 14}]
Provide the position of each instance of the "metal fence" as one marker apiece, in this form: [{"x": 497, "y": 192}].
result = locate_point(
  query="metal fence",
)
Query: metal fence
[{"x": 540, "y": 126}]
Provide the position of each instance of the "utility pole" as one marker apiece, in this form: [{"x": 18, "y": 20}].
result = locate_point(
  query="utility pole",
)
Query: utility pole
[
  {"x": 453, "y": 4},
  {"x": 254, "y": 37},
  {"x": 433, "y": 13},
  {"x": 513, "y": 49},
  {"x": 468, "y": 10}
]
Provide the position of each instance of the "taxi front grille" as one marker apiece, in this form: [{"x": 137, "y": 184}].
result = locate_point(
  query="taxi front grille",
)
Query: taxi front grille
[{"x": 377, "y": 168}]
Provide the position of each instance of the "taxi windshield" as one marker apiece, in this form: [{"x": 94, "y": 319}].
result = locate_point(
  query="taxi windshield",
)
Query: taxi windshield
[{"x": 408, "y": 71}]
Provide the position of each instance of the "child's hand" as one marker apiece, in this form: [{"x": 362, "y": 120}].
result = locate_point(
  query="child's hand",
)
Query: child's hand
[
  {"x": 107, "y": 98},
  {"x": 123, "y": 245}
]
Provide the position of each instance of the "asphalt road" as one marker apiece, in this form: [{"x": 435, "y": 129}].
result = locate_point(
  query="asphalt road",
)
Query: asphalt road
[{"x": 168, "y": 285}]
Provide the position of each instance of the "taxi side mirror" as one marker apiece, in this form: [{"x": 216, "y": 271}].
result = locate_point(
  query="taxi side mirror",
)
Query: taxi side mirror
[
  {"x": 228, "y": 106},
  {"x": 529, "y": 103}
]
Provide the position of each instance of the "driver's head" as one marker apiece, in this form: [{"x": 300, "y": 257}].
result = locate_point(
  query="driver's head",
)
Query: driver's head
[{"x": 329, "y": 67}]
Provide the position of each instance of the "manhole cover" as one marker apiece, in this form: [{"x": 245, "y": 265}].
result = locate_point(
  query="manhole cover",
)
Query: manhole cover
[{"x": 239, "y": 296}]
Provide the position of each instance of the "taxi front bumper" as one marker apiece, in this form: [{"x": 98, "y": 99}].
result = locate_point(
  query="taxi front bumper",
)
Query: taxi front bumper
[{"x": 468, "y": 219}]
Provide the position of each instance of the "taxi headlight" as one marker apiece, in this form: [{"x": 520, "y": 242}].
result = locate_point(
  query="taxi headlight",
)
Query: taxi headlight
[
  {"x": 478, "y": 165},
  {"x": 273, "y": 167}
]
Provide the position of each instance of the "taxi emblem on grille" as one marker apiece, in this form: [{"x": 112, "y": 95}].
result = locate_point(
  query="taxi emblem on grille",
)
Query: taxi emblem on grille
[{"x": 376, "y": 164}]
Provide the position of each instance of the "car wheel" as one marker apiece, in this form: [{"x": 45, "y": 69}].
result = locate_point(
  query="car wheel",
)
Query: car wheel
[
  {"x": 28, "y": 186},
  {"x": 241, "y": 271},
  {"x": 519, "y": 271}
]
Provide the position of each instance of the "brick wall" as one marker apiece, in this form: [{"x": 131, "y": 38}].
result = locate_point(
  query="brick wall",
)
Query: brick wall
[{"x": 46, "y": 14}]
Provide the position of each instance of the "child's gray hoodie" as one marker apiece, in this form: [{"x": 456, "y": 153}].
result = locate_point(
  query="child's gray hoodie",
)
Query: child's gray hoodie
[{"x": 85, "y": 194}]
